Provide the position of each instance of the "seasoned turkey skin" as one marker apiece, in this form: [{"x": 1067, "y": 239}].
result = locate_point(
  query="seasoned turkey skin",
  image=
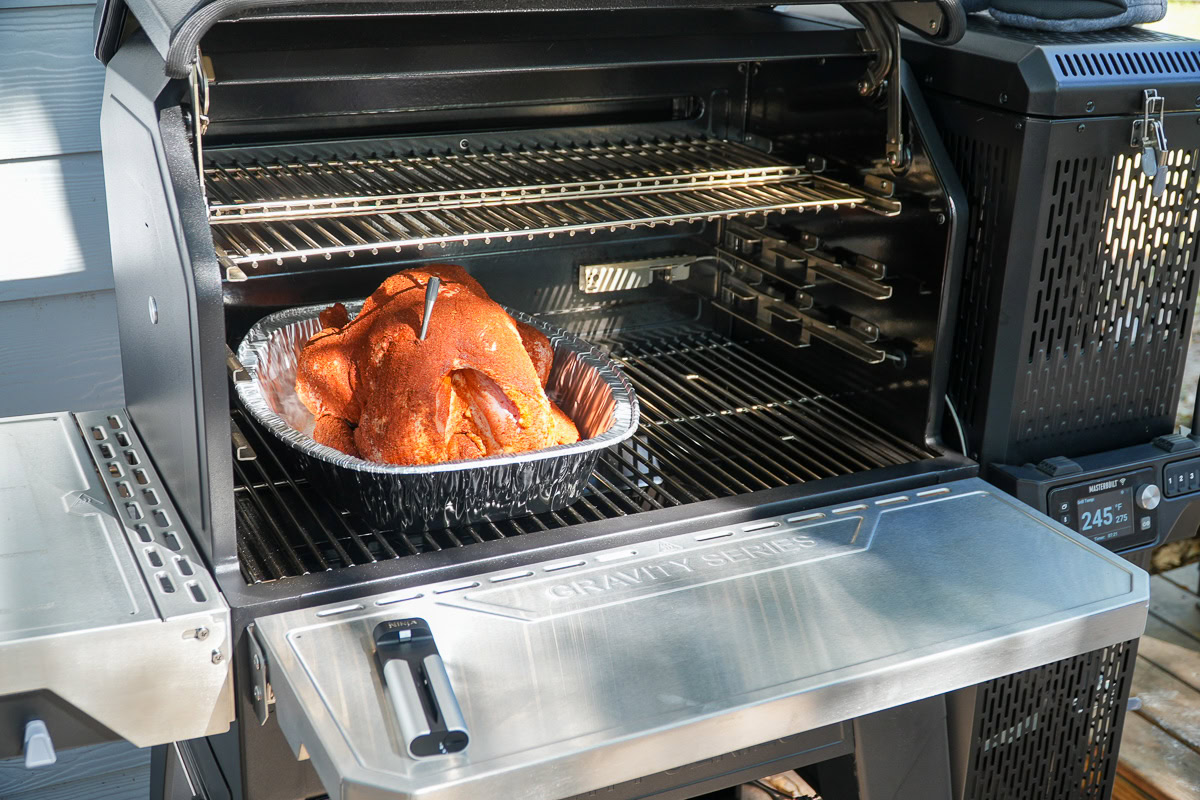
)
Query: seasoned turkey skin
[{"x": 473, "y": 387}]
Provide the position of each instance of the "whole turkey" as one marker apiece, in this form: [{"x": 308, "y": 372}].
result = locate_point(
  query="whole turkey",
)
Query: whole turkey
[{"x": 473, "y": 387}]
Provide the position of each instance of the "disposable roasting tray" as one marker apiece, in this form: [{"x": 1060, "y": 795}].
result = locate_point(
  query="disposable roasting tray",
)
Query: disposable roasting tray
[{"x": 584, "y": 381}]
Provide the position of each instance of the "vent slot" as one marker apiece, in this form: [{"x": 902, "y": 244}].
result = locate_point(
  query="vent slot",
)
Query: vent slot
[{"x": 1126, "y": 62}]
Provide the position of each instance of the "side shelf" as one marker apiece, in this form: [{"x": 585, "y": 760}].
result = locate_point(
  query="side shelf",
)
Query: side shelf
[{"x": 104, "y": 601}]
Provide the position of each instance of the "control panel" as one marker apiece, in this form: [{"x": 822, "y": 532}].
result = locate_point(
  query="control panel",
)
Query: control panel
[
  {"x": 1117, "y": 511},
  {"x": 1124, "y": 499}
]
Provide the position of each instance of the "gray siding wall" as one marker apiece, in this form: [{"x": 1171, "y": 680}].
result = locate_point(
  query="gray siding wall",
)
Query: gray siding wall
[
  {"x": 58, "y": 333},
  {"x": 57, "y": 313}
]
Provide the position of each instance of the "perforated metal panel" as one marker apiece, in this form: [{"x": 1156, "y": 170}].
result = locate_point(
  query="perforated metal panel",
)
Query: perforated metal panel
[
  {"x": 1076, "y": 301},
  {"x": 1114, "y": 285},
  {"x": 1052, "y": 731},
  {"x": 1077, "y": 297}
]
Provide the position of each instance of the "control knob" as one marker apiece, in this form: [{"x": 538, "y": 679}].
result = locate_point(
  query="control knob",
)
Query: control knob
[{"x": 1147, "y": 496}]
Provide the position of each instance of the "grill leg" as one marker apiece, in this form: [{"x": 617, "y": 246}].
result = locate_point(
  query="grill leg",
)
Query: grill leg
[
  {"x": 184, "y": 771},
  {"x": 903, "y": 753},
  {"x": 167, "y": 781}
]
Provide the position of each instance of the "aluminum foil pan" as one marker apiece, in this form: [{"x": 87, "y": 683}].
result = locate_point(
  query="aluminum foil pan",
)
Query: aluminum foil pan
[{"x": 584, "y": 382}]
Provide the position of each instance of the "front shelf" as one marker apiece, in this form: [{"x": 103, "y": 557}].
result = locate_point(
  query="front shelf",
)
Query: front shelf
[
  {"x": 577, "y": 674},
  {"x": 301, "y": 208}
]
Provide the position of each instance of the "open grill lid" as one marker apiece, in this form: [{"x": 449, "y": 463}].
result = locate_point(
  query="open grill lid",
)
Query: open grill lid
[{"x": 175, "y": 27}]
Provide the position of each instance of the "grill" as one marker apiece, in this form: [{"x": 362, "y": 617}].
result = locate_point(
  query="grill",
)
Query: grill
[
  {"x": 699, "y": 392},
  {"x": 649, "y": 178},
  {"x": 304, "y": 208}
]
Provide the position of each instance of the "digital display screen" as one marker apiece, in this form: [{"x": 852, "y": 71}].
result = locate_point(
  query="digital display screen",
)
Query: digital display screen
[{"x": 1107, "y": 515}]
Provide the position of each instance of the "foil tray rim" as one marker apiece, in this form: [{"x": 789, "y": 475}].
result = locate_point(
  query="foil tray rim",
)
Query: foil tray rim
[{"x": 626, "y": 413}]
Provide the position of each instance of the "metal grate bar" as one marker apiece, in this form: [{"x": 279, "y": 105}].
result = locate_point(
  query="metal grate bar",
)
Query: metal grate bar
[
  {"x": 314, "y": 208},
  {"x": 717, "y": 420},
  {"x": 304, "y": 187}
]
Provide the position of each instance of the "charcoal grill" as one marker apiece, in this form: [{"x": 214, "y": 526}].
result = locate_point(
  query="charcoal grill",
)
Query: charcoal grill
[{"x": 794, "y": 563}]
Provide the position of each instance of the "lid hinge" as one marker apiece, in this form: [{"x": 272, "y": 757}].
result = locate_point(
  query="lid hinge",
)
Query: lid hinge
[
  {"x": 1150, "y": 137},
  {"x": 198, "y": 80},
  {"x": 882, "y": 78}
]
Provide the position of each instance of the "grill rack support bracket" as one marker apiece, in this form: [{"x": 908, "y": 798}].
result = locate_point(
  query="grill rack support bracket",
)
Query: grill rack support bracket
[{"x": 260, "y": 679}]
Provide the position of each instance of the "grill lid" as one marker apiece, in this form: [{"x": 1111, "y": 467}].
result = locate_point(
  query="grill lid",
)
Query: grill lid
[{"x": 175, "y": 27}]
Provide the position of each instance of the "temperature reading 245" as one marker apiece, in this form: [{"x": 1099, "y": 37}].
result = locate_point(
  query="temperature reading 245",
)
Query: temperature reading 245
[
  {"x": 1107, "y": 517},
  {"x": 1106, "y": 514}
]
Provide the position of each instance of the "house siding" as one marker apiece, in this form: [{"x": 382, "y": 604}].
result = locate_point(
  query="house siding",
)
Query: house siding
[
  {"x": 57, "y": 308},
  {"x": 56, "y": 305}
]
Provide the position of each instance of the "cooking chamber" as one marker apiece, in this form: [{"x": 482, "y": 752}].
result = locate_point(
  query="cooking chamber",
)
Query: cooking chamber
[{"x": 716, "y": 213}]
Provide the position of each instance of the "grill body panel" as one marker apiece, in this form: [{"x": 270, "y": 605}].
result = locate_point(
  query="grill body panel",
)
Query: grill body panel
[
  {"x": 1076, "y": 307},
  {"x": 1051, "y": 731}
]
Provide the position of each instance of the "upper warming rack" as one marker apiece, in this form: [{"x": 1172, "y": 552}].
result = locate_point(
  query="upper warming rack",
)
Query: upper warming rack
[{"x": 298, "y": 208}]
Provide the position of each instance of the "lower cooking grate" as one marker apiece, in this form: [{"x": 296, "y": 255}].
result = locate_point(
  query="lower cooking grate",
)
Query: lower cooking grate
[{"x": 717, "y": 420}]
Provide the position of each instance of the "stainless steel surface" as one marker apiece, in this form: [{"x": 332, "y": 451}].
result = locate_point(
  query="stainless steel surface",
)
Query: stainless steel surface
[
  {"x": 260, "y": 680},
  {"x": 431, "y": 293},
  {"x": 401, "y": 690},
  {"x": 580, "y": 674},
  {"x": 583, "y": 381},
  {"x": 697, "y": 391},
  {"x": 443, "y": 693},
  {"x": 859, "y": 273},
  {"x": 624, "y": 275},
  {"x": 752, "y": 254},
  {"x": 85, "y": 609},
  {"x": 1149, "y": 136},
  {"x": 303, "y": 208},
  {"x": 170, "y": 564},
  {"x": 851, "y": 334}
]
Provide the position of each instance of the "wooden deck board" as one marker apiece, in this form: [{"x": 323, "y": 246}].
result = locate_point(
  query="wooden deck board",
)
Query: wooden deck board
[
  {"x": 1175, "y": 605},
  {"x": 1124, "y": 789},
  {"x": 1160, "y": 748},
  {"x": 1168, "y": 702},
  {"x": 1158, "y": 763}
]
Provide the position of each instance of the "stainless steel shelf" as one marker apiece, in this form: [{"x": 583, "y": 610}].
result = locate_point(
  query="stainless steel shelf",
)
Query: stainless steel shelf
[{"x": 313, "y": 208}]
